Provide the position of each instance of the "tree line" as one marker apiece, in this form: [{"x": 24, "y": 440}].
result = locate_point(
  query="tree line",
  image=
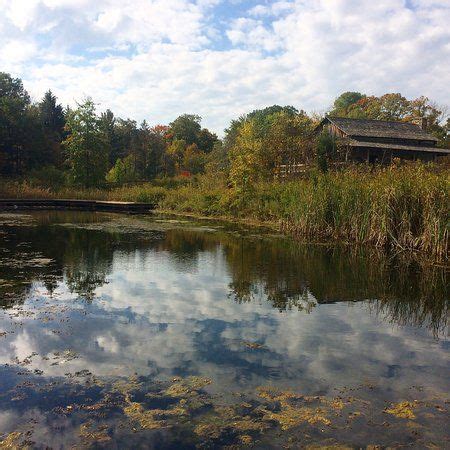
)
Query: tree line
[{"x": 77, "y": 146}]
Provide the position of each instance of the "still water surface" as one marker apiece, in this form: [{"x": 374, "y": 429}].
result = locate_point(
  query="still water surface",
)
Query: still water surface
[{"x": 144, "y": 332}]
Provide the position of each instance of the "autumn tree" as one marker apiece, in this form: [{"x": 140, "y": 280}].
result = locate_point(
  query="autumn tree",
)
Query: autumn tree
[
  {"x": 176, "y": 152},
  {"x": 193, "y": 159},
  {"x": 246, "y": 157},
  {"x": 289, "y": 140},
  {"x": 344, "y": 101}
]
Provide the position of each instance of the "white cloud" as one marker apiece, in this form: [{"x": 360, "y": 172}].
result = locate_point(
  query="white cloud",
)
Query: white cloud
[{"x": 156, "y": 59}]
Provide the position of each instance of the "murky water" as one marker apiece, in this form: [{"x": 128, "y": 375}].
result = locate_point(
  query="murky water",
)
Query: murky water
[{"x": 144, "y": 332}]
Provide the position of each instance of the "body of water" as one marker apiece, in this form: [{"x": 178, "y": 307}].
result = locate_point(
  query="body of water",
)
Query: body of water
[{"x": 145, "y": 332}]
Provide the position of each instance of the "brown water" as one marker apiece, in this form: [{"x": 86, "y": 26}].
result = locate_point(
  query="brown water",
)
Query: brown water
[{"x": 144, "y": 332}]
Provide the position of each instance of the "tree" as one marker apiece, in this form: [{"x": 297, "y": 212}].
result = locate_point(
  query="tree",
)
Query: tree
[
  {"x": 53, "y": 123},
  {"x": 289, "y": 140},
  {"x": 52, "y": 114},
  {"x": 193, "y": 159},
  {"x": 187, "y": 128},
  {"x": 86, "y": 146},
  {"x": 122, "y": 172},
  {"x": 217, "y": 162},
  {"x": 206, "y": 140},
  {"x": 326, "y": 149},
  {"x": 261, "y": 118},
  {"x": 246, "y": 157},
  {"x": 157, "y": 149},
  {"x": 342, "y": 103},
  {"x": 14, "y": 104},
  {"x": 176, "y": 152},
  {"x": 108, "y": 126}
]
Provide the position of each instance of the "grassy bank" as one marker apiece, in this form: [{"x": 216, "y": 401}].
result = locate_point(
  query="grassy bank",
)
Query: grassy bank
[{"x": 405, "y": 208}]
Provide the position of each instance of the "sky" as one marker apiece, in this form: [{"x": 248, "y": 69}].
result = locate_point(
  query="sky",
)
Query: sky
[{"x": 157, "y": 59}]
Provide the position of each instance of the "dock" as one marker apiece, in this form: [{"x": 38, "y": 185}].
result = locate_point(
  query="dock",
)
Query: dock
[{"x": 80, "y": 205}]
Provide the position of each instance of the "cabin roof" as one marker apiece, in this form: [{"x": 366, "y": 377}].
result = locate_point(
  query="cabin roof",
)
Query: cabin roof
[
  {"x": 384, "y": 146},
  {"x": 380, "y": 129}
]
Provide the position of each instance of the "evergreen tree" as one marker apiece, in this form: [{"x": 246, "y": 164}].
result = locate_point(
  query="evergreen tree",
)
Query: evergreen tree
[
  {"x": 108, "y": 126},
  {"x": 53, "y": 123}
]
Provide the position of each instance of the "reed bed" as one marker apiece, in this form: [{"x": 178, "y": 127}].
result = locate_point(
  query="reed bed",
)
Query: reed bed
[{"x": 404, "y": 208}]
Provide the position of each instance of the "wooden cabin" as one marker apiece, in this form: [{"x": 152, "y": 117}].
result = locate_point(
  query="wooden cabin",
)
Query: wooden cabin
[{"x": 379, "y": 141}]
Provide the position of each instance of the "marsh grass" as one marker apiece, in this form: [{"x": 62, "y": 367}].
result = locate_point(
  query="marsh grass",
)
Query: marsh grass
[{"x": 403, "y": 208}]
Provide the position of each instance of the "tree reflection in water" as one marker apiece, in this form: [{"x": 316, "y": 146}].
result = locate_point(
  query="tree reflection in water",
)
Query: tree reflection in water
[{"x": 261, "y": 268}]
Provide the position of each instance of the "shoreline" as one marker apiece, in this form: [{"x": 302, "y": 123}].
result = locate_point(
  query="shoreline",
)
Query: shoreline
[{"x": 275, "y": 226}]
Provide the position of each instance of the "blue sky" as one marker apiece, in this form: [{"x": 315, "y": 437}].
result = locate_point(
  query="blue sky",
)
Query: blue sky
[{"x": 156, "y": 59}]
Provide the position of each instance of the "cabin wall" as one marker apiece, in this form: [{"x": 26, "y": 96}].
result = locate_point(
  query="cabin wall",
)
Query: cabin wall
[{"x": 385, "y": 156}]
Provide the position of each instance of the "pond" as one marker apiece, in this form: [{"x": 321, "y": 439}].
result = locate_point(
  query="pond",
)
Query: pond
[{"x": 124, "y": 331}]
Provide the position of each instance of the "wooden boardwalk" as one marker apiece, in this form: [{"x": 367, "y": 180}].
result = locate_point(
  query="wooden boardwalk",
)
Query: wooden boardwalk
[{"x": 81, "y": 205}]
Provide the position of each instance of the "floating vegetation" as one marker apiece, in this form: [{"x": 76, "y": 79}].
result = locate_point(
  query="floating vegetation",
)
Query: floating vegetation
[
  {"x": 253, "y": 345},
  {"x": 184, "y": 396},
  {"x": 15, "y": 219},
  {"x": 403, "y": 410},
  {"x": 91, "y": 435},
  {"x": 295, "y": 409},
  {"x": 183, "y": 405},
  {"x": 188, "y": 386},
  {"x": 147, "y": 419},
  {"x": 12, "y": 441}
]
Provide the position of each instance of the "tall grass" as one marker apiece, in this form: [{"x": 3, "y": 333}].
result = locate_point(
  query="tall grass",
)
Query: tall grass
[{"x": 405, "y": 208}]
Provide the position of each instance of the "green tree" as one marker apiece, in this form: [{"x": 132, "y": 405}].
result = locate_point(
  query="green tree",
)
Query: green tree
[
  {"x": 206, "y": 140},
  {"x": 158, "y": 143},
  {"x": 122, "y": 172},
  {"x": 186, "y": 128},
  {"x": 262, "y": 118},
  {"x": 14, "y": 104},
  {"x": 86, "y": 146},
  {"x": 326, "y": 149},
  {"x": 53, "y": 123},
  {"x": 108, "y": 125},
  {"x": 217, "y": 162}
]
